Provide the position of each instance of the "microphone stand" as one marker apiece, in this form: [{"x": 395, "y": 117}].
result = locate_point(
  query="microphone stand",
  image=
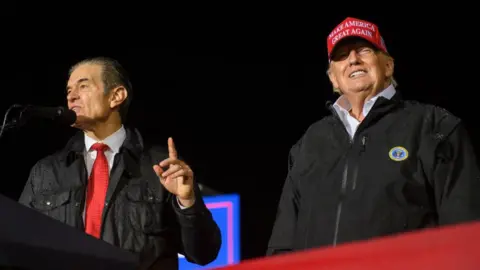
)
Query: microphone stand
[
  {"x": 29, "y": 111},
  {"x": 14, "y": 122}
]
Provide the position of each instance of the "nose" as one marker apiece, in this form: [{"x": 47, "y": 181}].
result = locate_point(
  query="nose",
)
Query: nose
[
  {"x": 72, "y": 96},
  {"x": 353, "y": 58}
]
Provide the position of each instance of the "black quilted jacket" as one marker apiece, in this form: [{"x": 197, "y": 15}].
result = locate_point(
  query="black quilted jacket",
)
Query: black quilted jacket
[{"x": 140, "y": 215}]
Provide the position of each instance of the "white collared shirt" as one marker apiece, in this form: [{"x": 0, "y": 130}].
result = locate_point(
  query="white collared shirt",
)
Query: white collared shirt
[
  {"x": 343, "y": 107},
  {"x": 114, "y": 143}
]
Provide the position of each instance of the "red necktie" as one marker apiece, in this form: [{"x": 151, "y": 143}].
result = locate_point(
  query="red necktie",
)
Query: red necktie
[{"x": 96, "y": 191}]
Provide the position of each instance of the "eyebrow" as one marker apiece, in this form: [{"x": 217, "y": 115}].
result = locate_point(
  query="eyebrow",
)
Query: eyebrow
[{"x": 78, "y": 81}]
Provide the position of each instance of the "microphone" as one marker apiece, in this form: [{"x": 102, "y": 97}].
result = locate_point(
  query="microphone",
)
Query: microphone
[{"x": 62, "y": 114}]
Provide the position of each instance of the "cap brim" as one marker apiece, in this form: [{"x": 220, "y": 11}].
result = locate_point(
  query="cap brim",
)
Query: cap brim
[{"x": 348, "y": 39}]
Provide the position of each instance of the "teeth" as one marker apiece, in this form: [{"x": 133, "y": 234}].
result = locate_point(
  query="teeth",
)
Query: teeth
[{"x": 356, "y": 73}]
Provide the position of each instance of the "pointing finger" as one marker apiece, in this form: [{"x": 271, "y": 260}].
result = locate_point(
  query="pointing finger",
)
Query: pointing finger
[{"x": 172, "y": 152}]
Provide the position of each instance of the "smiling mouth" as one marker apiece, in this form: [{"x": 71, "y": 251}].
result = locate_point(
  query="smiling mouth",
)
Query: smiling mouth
[{"x": 357, "y": 73}]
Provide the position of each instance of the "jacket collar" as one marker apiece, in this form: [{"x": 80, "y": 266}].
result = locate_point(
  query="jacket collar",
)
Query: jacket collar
[
  {"x": 382, "y": 103},
  {"x": 343, "y": 106},
  {"x": 381, "y": 107}
]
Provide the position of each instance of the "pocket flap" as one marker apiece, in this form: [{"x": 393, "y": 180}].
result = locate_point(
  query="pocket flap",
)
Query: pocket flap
[
  {"x": 51, "y": 201},
  {"x": 139, "y": 195}
]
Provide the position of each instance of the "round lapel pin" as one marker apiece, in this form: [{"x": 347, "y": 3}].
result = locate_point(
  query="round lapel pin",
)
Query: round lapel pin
[{"x": 398, "y": 153}]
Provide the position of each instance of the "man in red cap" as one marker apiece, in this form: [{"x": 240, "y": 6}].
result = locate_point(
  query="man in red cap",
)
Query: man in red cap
[{"x": 378, "y": 165}]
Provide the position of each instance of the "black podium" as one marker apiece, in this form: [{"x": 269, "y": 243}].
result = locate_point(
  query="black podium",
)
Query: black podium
[{"x": 31, "y": 240}]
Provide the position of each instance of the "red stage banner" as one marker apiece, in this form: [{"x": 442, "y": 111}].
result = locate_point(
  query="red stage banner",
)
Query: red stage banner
[{"x": 451, "y": 247}]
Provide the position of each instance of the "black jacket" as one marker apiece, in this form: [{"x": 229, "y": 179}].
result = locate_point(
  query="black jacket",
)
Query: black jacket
[
  {"x": 140, "y": 215},
  {"x": 409, "y": 166}
]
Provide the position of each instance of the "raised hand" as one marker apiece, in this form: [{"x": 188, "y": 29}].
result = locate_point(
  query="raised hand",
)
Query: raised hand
[{"x": 178, "y": 178}]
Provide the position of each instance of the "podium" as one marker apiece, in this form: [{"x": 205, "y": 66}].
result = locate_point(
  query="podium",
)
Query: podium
[{"x": 32, "y": 240}]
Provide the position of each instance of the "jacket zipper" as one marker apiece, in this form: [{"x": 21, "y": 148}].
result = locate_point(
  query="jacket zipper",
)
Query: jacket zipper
[
  {"x": 344, "y": 181},
  {"x": 343, "y": 189},
  {"x": 339, "y": 207},
  {"x": 355, "y": 171}
]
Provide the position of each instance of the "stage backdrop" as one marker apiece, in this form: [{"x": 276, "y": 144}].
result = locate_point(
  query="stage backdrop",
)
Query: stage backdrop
[{"x": 225, "y": 211}]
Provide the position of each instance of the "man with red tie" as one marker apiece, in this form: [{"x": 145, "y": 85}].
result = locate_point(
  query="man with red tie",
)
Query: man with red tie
[{"x": 110, "y": 184}]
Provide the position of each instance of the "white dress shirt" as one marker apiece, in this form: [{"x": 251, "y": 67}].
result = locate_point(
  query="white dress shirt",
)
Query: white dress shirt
[
  {"x": 114, "y": 143},
  {"x": 343, "y": 108}
]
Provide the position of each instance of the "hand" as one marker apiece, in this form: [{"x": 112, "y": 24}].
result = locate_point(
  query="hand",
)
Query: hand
[{"x": 178, "y": 178}]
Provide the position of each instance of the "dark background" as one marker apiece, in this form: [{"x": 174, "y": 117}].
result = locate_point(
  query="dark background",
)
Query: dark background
[{"x": 235, "y": 86}]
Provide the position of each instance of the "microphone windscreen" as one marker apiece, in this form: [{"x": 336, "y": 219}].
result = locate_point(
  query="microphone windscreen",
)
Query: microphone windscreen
[{"x": 68, "y": 117}]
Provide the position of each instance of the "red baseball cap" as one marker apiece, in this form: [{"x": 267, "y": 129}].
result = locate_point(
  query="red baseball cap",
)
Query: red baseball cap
[{"x": 352, "y": 27}]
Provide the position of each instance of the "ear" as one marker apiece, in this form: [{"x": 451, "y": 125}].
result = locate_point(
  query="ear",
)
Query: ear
[
  {"x": 389, "y": 66},
  {"x": 117, "y": 96},
  {"x": 332, "y": 77}
]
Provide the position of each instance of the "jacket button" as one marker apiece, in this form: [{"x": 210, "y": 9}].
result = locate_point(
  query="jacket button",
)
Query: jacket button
[
  {"x": 77, "y": 204},
  {"x": 439, "y": 136},
  {"x": 106, "y": 204},
  {"x": 48, "y": 203}
]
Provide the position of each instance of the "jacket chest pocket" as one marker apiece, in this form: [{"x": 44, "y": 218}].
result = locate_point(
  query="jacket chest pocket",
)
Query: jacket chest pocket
[
  {"x": 146, "y": 211},
  {"x": 54, "y": 205}
]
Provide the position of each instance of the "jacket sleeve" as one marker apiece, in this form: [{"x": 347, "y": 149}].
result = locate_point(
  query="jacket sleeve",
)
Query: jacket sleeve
[
  {"x": 281, "y": 239},
  {"x": 200, "y": 235},
  {"x": 456, "y": 175}
]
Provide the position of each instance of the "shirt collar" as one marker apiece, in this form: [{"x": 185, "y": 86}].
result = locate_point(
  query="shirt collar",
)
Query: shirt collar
[
  {"x": 343, "y": 106},
  {"x": 113, "y": 141}
]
